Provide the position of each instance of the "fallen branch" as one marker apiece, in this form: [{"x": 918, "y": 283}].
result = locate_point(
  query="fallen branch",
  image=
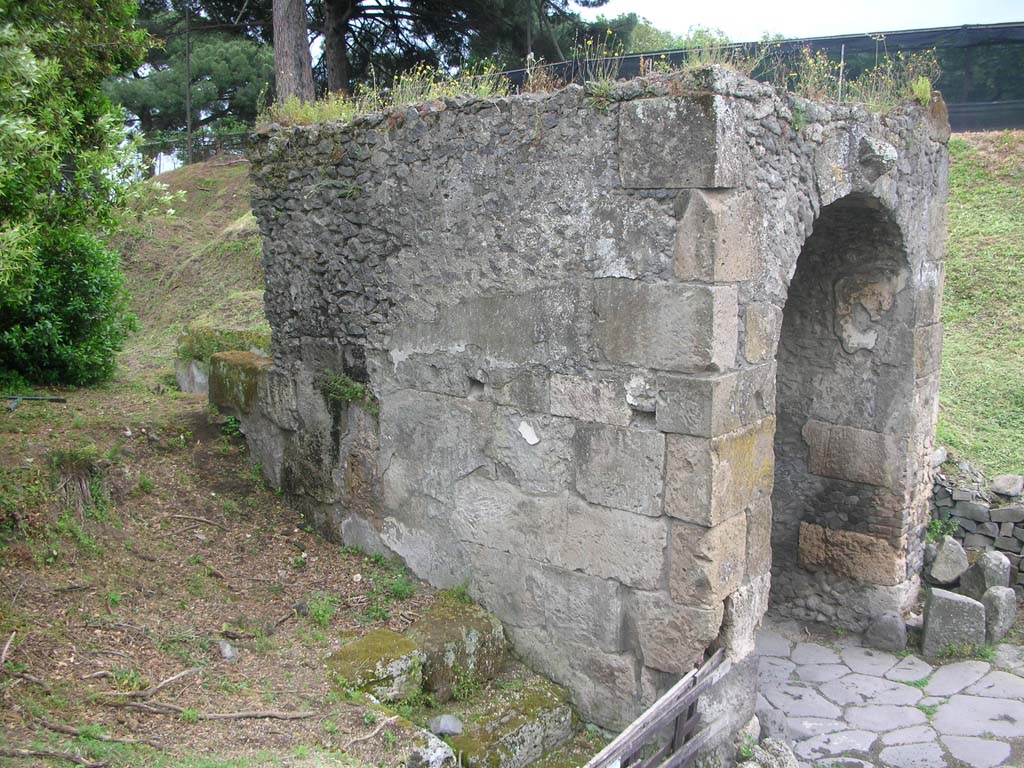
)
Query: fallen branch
[
  {"x": 371, "y": 734},
  {"x": 7, "y": 645},
  {"x": 53, "y": 755},
  {"x": 148, "y": 693},
  {"x": 65, "y": 729},
  {"x": 97, "y": 675},
  {"x": 160, "y": 708},
  {"x": 33, "y": 679},
  {"x": 198, "y": 520}
]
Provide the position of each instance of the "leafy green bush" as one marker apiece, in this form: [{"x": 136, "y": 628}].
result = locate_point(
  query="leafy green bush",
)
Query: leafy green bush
[{"x": 68, "y": 327}]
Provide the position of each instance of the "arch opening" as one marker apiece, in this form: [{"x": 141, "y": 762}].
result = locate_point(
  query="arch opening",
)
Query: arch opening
[{"x": 845, "y": 391}]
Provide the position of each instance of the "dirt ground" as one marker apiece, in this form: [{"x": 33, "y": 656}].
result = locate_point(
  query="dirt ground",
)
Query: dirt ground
[{"x": 135, "y": 540}]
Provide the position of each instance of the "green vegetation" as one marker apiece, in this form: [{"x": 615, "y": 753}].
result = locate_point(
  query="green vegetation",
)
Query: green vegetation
[
  {"x": 982, "y": 392},
  {"x": 937, "y": 529},
  {"x": 64, "y": 177},
  {"x": 342, "y": 390},
  {"x": 929, "y": 710},
  {"x": 322, "y": 608}
]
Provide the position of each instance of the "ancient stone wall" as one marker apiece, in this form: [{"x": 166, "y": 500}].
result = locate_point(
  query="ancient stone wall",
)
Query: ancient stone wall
[{"x": 567, "y": 309}]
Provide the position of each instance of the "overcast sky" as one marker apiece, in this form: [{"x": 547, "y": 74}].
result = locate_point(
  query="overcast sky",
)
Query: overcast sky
[{"x": 745, "y": 20}]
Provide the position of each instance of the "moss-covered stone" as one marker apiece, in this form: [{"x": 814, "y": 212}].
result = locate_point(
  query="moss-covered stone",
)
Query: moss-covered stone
[
  {"x": 202, "y": 340},
  {"x": 234, "y": 380},
  {"x": 459, "y": 640},
  {"x": 515, "y": 724},
  {"x": 382, "y": 663}
]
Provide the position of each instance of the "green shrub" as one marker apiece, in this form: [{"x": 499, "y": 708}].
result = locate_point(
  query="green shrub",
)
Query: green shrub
[{"x": 68, "y": 326}]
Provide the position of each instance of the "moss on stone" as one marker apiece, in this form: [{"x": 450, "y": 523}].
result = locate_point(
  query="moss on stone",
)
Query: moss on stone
[
  {"x": 202, "y": 340},
  {"x": 234, "y": 379},
  {"x": 381, "y": 662}
]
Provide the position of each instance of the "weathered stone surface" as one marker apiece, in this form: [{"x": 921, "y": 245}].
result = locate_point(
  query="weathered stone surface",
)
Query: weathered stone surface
[
  {"x": 1000, "y": 611},
  {"x": 868, "y": 661},
  {"x": 620, "y": 467},
  {"x": 866, "y": 559},
  {"x": 759, "y": 538},
  {"x": 970, "y": 715},
  {"x": 913, "y": 756},
  {"x": 699, "y": 151},
  {"x": 673, "y": 636},
  {"x": 719, "y": 236},
  {"x": 972, "y": 510},
  {"x": 1007, "y": 485},
  {"x": 909, "y": 669},
  {"x": 744, "y": 609},
  {"x": 673, "y": 327},
  {"x": 711, "y": 481},
  {"x": 445, "y": 725},
  {"x": 951, "y": 620},
  {"x": 858, "y": 455},
  {"x": 601, "y": 400},
  {"x": 887, "y": 632},
  {"x": 949, "y": 563},
  {"x": 953, "y": 678},
  {"x": 192, "y": 376},
  {"x": 813, "y": 653},
  {"x": 706, "y": 564},
  {"x": 234, "y": 379},
  {"x": 381, "y": 662},
  {"x": 712, "y": 405},
  {"x": 457, "y": 639},
  {"x": 761, "y": 324},
  {"x": 773, "y": 753},
  {"x": 991, "y": 569},
  {"x": 1014, "y": 514},
  {"x": 998, "y": 685},
  {"x": 977, "y": 752},
  {"x": 884, "y": 717}
]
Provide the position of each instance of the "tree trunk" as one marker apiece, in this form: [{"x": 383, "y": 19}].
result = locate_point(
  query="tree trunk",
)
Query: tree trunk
[
  {"x": 336, "y": 16},
  {"x": 293, "y": 66}
]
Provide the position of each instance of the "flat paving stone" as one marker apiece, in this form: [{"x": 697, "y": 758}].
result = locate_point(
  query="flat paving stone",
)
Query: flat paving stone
[
  {"x": 836, "y": 744},
  {"x": 932, "y": 701},
  {"x": 801, "y": 728},
  {"x": 773, "y": 672},
  {"x": 865, "y": 689},
  {"x": 821, "y": 673},
  {"x": 913, "y": 735},
  {"x": 972, "y": 715},
  {"x": 796, "y": 700},
  {"x": 883, "y": 717},
  {"x": 913, "y": 756},
  {"x": 977, "y": 753},
  {"x": 843, "y": 762},
  {"x": 909, "y": 670},
  {"x": 868, "y": 661},
  {"x": 812, "y": 653},
  {"x": 1001, "y": 685},
  {"x": 771, "y": 643},
  {"x": 953, "y": 678}
]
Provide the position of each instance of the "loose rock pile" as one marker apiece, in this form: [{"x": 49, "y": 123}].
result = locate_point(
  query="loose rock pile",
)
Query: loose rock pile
[{"x": 988, "y": 516}]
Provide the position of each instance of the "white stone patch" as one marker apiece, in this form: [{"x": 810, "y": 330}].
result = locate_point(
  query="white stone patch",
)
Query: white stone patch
[
  {"x": 528, "y": 433},
  {"x": 914, "y": 756},
  {"x": 838, "y": 743}
]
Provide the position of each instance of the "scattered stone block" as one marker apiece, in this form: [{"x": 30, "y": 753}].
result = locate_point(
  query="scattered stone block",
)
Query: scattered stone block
[
  {"x": 445, "y": 725},
  {"x": 949, "y": 563},
  {"x": 773, "y": 753},
  {"x": 1009, "y": 544},
  {"x": 864, "y": 558},
  {"x": 966, "y": 525},
  {"x": 847, "y": 453},
  {"x": 383, "y": 663},
  {"x": 1000, "y": 611},
  {"x": 988, "y": 529},
  {"x": 951, "y": 620},
  {"x": 991, "y": 569},
  {"x": 234, "y": 379},
  {"x": 977, "y": 541},
  {"x": 887, "y": 632},
  {"x": 962, "y": 494},
  {"x": 1007, "y": 485}
]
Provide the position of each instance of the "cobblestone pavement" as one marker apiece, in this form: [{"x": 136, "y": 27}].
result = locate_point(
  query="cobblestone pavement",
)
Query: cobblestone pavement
[{"x": 848, "y": 706}]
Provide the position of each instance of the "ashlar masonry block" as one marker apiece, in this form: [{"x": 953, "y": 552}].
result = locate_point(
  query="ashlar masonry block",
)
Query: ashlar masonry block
[
  {"x": 710, "y": 405},
  {"x": 666, "y": 326},
  {"x": 719, "y": 236},
  {"x": 673, "y": 636},
  {"x": 848, "y": 453},
  {"x": 710, "y": 480},
  {"x": 680, "y": 143},
  {"x": 706, "y": 564}
]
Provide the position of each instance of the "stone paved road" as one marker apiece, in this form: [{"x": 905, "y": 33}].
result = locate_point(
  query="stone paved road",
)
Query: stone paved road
[{"x": 853, "y": 707}]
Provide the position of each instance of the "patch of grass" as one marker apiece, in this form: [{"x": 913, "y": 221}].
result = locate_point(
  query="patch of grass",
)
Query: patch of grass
[
  {"x": 322, "y": 608},
  {"x": 938, "y": 529},
  {"x": 466, "y": 684},
  {"x": 969, "y": 651},
  {"x": 929, "y": 710},
  {"x": 459, "y": 593},
  {"x": 981, "y": 391},
  {"x": 922, "y": 683},
  {"x": 128, "y": 679},
  {"x": 342, "y": 390},
  {"x": 145, "y": 484},
  {"x": 231, "y": 427}
]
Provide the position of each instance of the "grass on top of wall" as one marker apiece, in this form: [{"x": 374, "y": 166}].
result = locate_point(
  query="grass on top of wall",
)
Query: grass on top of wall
[{"x": 982, "y": 390}]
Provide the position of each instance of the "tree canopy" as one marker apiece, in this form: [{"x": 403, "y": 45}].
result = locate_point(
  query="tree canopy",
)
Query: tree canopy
[{"x": 62, "y": 304}]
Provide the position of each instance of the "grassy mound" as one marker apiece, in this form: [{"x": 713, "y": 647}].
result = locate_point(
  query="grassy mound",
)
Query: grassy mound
[
  {"x": 193, "y": 260},
  {"x": 982, "y": 391}
]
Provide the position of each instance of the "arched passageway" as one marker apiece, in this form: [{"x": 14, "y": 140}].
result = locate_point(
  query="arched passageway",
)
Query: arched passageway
[{"x": 845, "y": 391}]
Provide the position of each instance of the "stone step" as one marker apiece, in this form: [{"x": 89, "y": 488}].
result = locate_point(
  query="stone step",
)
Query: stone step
[{"x": 512, "y": 722}]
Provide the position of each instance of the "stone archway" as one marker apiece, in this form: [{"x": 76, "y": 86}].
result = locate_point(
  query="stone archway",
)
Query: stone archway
[{"x": 846, "y": 422}]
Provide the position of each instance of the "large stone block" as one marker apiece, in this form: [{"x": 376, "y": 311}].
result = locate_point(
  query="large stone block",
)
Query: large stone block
[
  {"x": 620, "y": 467},
  {"x": 719, "y": 236},
  {"x": 762, "y": 323},
  {"x": 1000, "y": 611},
  {"x": 706, "y": 564},
  {"x": 599, "y": 400},
  {"x": 534, "y": 451},
  {"x": 708, "y": 481},
  {"x": 383, "y": 663},
  {"x": 673, "y": 636},
  {"x": 858, "y": 556},
  {"x": 951, "y": 621},
  {"x": 927, "y": 350},
  {"x": 667, "y": 326},
  {"x": 579, "y": 608},
  {"x": 759, "y": 538},
  {"x": 498, "y": 515},
  {"x": 234, "y": 380},
  {"x": 744, "y": 610},
  {"x": 710, "y": 405},
  {"x": 857, "y": 455},
  {"x": 991, "y": 569},
  {"x": 680, "y": 143}
]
